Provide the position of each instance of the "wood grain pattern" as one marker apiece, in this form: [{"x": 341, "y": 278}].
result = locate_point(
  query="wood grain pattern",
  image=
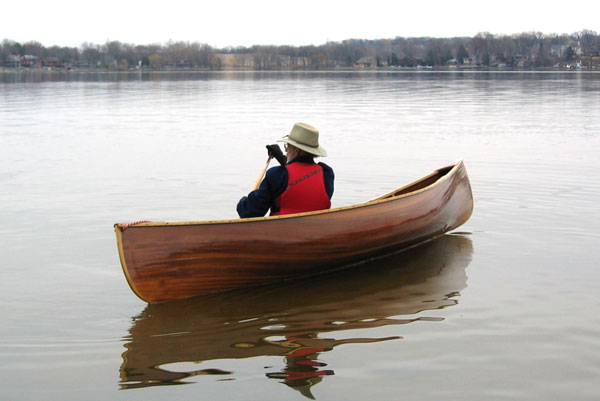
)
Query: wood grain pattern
[{"x": 164, "y": 261}]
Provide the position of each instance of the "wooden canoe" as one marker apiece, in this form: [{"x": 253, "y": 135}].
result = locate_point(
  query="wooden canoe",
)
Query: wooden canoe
[{"x": 170, "y": 260}]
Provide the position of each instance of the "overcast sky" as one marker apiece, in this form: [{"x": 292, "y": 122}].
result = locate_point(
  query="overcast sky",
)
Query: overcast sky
[{"x": 278, "y": 22}]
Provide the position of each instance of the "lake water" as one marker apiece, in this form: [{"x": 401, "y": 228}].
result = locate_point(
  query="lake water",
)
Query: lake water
[{"x": 504, "y": 308}]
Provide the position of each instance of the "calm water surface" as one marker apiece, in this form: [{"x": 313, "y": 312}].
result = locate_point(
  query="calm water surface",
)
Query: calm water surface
[{"x": 504, "y": 308}]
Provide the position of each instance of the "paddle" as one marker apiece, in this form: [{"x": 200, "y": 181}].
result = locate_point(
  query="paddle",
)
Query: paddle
[
  {"x": 274, "y": 152},
  {"x": 262, "y": 173}
]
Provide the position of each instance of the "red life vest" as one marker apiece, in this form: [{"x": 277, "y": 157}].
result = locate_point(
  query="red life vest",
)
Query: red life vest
[{"x": 305, "y": 191}]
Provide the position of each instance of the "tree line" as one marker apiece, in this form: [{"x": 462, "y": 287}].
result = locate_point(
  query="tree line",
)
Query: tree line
[{"x": 522, "y": 50}]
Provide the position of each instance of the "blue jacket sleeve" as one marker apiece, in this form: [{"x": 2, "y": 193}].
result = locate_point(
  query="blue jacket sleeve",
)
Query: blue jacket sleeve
[{"x": 258, "y": 202}]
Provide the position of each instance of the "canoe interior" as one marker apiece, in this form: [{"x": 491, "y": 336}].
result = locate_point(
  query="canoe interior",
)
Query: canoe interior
[{"x": 420, "y": 184}]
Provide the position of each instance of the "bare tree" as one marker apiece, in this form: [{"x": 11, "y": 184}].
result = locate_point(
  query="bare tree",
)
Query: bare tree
[
  {"x": 90, "y": 54},
  {"x": 589, "y": 44}
]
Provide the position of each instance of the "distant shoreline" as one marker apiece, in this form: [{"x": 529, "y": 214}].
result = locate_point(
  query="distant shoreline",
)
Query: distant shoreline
[
  {"x": 525, "y": 51},
  {"x": 38, "y": 71}
]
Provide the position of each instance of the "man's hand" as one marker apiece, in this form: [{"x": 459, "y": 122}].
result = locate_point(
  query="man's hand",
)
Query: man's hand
[{"x": 275, "y": 151}]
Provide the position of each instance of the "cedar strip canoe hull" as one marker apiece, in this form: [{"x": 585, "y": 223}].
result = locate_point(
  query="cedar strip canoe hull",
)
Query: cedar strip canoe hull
[{"x": 165, "y": 261}]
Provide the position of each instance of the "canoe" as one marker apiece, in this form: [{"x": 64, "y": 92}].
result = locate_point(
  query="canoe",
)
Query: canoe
[{"x": 163, "y": 261}]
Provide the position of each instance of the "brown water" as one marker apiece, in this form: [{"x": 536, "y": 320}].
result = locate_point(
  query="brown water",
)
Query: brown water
[{"x": 504, "y": 309}]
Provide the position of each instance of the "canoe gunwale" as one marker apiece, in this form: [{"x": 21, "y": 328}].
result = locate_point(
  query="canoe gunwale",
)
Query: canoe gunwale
[{"x": 389, "y": 197}]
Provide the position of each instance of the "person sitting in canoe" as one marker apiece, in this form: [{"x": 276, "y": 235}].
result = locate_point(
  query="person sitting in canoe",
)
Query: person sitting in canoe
[{"x": 301, "y": 185}]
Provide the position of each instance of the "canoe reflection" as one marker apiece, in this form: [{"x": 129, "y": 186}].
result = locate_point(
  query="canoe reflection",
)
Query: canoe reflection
[{"x": 296, "y": 320}]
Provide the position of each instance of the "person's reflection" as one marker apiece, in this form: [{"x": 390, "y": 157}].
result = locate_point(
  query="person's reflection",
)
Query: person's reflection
[
  {"x": 302, "y": 369},
  {"x": 298, "y": 321}
]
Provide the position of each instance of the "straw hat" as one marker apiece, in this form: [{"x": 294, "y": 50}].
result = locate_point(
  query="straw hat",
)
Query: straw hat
[{"x": 305, "y": 137}]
